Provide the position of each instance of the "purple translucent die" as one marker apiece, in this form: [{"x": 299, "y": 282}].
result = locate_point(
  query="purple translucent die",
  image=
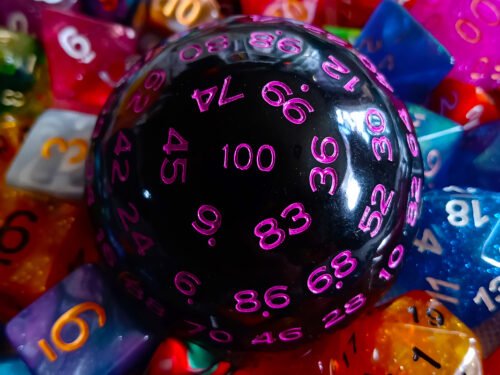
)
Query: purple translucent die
[
  {"x": 78, "y": 324},
  {"x": 470, "y": 30}
]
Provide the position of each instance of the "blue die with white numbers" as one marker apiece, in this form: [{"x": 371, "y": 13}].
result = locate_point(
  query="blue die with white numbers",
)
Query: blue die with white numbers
[
  {"x": 456, "y": 258},
  {"x": 478, "y": 158},
  {"x": 439, "y": 138},
  {"x": 412, "y": 60}
]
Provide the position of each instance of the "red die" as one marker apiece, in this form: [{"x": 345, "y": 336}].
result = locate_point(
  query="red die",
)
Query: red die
[
  {"x": 309, "y": 11},
  {"x": 464, "y": 103},
  {"x": 349, "y": 13},
  {"x": 86, "y": 58}
]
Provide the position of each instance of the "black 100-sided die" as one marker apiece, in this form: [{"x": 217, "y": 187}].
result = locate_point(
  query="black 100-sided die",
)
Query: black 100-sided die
[{"x": 254, "y": 183}]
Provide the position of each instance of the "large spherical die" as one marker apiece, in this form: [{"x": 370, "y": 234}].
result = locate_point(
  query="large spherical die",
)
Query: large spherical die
[{"x": 254, "y": 183}]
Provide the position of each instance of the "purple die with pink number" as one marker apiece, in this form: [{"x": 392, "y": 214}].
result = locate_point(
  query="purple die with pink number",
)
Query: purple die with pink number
[
  {"x": 78, "y": 324},
  {"x": 469, "y": 29},
  {"x": 25, "y": 15}
]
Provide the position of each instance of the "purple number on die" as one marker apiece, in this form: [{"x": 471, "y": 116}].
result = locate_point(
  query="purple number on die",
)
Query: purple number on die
[
  {"x": 355, "y": 303},
  {"x": 264, "y": 40},
  {"x": 217, "y": 335},
  {"x": 275, "y": 231},
  {"x": 191, "y": 53},
  {"x": 272, "y": 153},
  {"x": 322, "y": 155},
  {"x": 245, "y": 298},
  {"x": 297, "y": 106},
  {"x": 220, "y": 336},
  {"x": 118, "y": 172},
  {"x": 245, "y": 166},
  {"x": 395, "y": 260},
  {"x": 204, "y": 104},
  {"x": 186, "y": 283},
  {"x": 176, "y": 165},
  {"x": 212, "y": 224},
  {"x": 271, "y": 231},
  {"x": 332, "y": 318},
  {"x": 301, "y": 215},
  {"x": 292, "y": 46},
  {"x": 344, "y": 264},
  {"x": 396, "y": 256},
  {"x": 323, "y": 174},
  {"x": 261, "y": 40},
  {"x": 336, "y": 316},
  {"x": 376, "y": 126},
  {"x": 415, "y": 193},
  {"x": 321, "y": 280},
  {"x": 385, "y": 202},
  {"x": 181, "y": 145},
  {"x": 382, "y": 145},
  {"x": 248, "y": 164},
  {"x": 287, "y": 335},
  {"x": 216, "y": 44},
  {"x": 334, "y": 66},
  {"x": 411, "y": 140},
  {"x": 125, "y": 216},
  {"x": 275, "y": 298},
  {"x": 405, "y": 117},
  {"x": 370, "y": 217},
  {"x": 153, "y": 82},
  {"x": 271, "y": 298}
]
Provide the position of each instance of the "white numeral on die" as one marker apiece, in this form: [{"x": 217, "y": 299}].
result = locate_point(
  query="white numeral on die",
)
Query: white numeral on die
[
  {"x": 458, "y": 213},
  {"x": 76, "y": 45},
  {"x": 18, "y": 22}
]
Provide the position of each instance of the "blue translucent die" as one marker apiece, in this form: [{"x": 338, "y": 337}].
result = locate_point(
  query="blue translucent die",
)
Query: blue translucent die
[
  {"x": 456, "y": 258},
  {"x": 412, "y": 60},
  {"x": 78, "y": 327},
  {"x": 478, "y": 158},
  {"x": 439, "y": 138},
  {"x": 13, "y": 366}
]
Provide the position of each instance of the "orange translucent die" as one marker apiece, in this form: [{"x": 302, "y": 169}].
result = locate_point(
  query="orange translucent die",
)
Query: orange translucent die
[
  {"x": 415, "y": 334},
  {"x": 12, "y": 133},
  {"x": 41, "y": 241},
  {"x": 181, "y": 15}
]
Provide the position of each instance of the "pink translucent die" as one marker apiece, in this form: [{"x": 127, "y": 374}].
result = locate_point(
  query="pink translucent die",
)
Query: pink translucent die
[
  {"x": 470, "y": 30},
  {"x": 86, "y": 58},
  {"x": 25, "y": 15}
]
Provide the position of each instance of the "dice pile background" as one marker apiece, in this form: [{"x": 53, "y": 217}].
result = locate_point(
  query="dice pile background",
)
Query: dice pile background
[{"x": 59, "y": 61}]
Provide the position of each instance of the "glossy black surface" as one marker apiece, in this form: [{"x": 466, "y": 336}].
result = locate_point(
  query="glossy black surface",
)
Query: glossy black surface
[{"x": 246, "y": 197}]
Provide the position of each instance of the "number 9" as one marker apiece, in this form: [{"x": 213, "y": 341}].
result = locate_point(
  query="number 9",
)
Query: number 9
[
  {"x": 71, "y": 317},
  {"x": 76, "y": 45}
]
